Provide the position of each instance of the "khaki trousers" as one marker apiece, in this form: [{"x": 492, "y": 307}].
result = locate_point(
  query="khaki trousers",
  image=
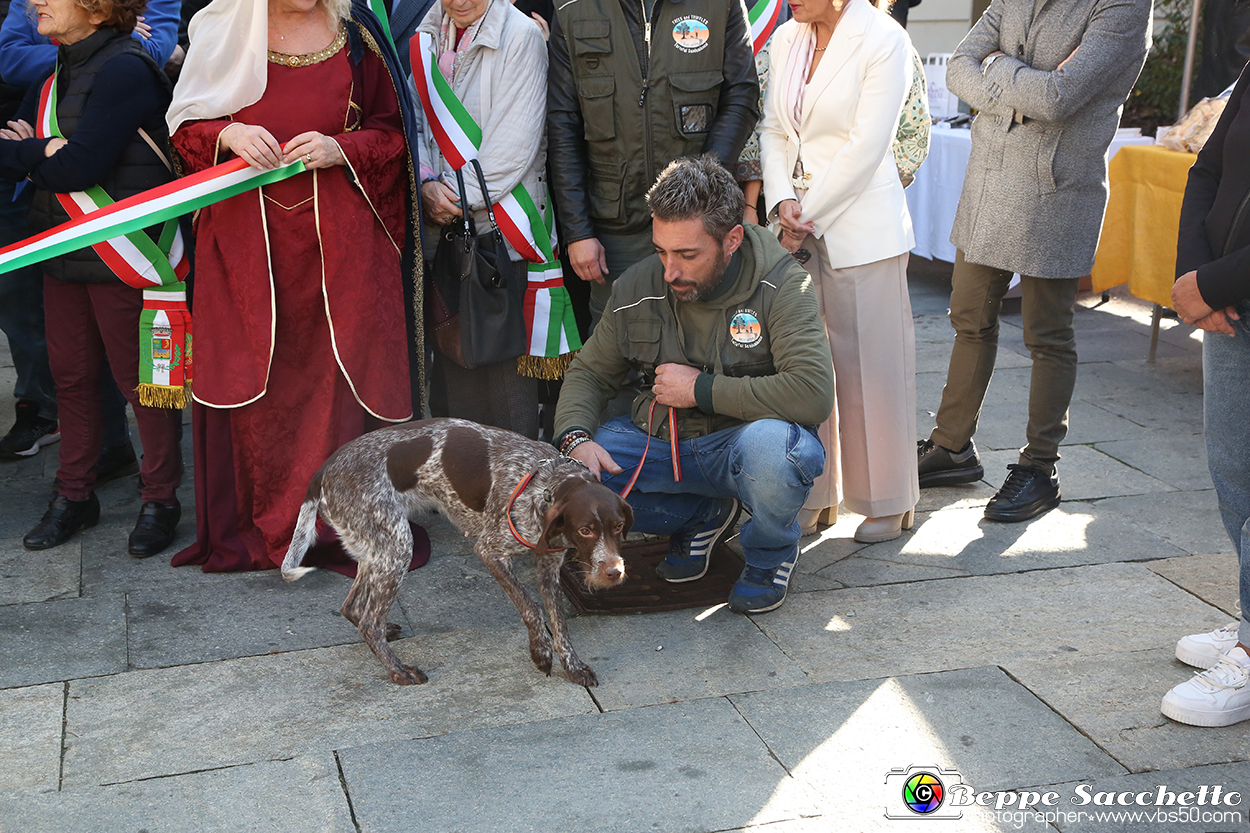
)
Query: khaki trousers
[
  {"x": 1048, "y": 305},
  {"x": 870, "y": 440}
]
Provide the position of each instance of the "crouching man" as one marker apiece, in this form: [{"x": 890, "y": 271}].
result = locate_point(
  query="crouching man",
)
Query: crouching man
[{"x": 725, "y": 328}]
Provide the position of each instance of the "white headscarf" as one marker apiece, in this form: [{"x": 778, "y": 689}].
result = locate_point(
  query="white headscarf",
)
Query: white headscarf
[{"x": 226, "y": 67}]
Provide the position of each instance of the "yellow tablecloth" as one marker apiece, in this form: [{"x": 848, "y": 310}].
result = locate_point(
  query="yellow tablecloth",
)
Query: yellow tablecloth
[{"x": 1138, "y": 243}]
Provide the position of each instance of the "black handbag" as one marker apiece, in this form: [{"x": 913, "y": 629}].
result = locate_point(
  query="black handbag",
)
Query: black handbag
[{"x": 476, "y": 307}]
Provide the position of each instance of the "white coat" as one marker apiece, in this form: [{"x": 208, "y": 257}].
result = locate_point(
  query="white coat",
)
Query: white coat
[{"x": 850, "y": 114}]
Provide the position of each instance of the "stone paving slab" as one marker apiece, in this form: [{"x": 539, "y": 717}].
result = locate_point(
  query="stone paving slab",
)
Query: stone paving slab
[
  {"x": 963, "y": 496},
  {"x": 302, "y": 795},
  {"x": 27, "y": 577},
  {"x": 1159, "y": 399},
  {"x": 1188, "y": 520},
  {"x": 1232, "y": 777},
  {"x": 107, "y": 567},
  {"x": 455, "y": 592},
  {"x": 30, "y": 735},
  {"x": 1114, "y": 699},
  {"x": 656, "y": 658},
  {"x": 1180, "y": 460},
  {"x": 1084, "y": 474},
  {"x": 191, "y": 718},
  {"x": 1212, "y": 578},
  {"x": 261, "y": 614},
  {"x": 983, "y": 620},
  {"x": 843, "y": 739},
  {"x": 694, "y": 766},
  {"x": 63, "y": 640},
  {"x": 963, "y": 542}
]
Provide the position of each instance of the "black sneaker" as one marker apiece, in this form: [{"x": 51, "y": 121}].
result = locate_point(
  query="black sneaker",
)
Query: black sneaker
[
  {"x": 690, "y": 550},
  {"x": 1027, "y": 493},
  {"x": 29, "y": 433},
  {"x": 942, "y": 467}
]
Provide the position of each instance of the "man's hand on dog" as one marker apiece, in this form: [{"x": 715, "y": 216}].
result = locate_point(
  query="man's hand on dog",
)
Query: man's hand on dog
[
  {"x": 674, "y": 385},
  {"x": 596, "y": 458}
]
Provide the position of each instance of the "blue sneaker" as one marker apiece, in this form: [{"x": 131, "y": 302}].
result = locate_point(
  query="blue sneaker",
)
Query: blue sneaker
[
  {"x": 759, "y": 590},
  {"x": 690, "y": 550}
]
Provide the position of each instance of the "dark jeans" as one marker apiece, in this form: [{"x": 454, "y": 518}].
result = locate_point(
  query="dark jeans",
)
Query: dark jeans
[
  {"x": 21, "y": 319},
  {"x": 21, "y": 309}
]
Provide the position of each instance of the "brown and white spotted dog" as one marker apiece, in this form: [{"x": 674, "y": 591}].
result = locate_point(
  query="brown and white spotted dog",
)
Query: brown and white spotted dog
[{"x": 369, "y": 488}]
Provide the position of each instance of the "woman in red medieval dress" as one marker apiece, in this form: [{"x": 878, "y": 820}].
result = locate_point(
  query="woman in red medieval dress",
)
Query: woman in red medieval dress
[{"x": 302, "y": 337}]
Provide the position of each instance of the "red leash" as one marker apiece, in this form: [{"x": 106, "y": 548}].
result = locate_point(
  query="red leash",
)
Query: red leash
[{"x": 672, "y": 437}]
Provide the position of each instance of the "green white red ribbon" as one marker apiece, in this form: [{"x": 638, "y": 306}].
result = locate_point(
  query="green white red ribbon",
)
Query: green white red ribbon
[
  {"x": 156, "y": 267},
  {"x": 378, "y": 7},
  {"x": 763, "y": 17},
  {"x": 156, "y": 205},
  {"x": 549, "y": 313}
]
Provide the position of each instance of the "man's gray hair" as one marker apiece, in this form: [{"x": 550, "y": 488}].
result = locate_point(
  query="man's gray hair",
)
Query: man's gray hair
[{"x": 698, "y": 187}]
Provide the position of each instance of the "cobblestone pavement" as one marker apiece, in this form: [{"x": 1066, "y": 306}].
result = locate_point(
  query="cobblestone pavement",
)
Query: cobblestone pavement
[{"x": 1027, "y": 658}]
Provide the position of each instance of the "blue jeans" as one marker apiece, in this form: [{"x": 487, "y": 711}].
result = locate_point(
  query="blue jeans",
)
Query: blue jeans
[
  {"x": 1226, "y": 399},
  {"x": 21, "y": 309},
  {"x": 768, "y": 464}
]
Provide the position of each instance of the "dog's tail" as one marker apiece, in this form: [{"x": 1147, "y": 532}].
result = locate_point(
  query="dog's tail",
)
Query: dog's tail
[{"x": 305, "y": 534}]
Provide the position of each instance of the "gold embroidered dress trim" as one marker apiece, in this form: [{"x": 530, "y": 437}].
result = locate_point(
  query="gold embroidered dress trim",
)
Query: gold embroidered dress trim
[{"x": 340, "y": 40}]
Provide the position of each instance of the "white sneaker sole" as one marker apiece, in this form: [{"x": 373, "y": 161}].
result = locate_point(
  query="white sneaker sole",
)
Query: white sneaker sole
[
  {"x": 46, "y": 439},
  {"x": 1195, "y": 659},
  {"x": 1210, "y": 719}
]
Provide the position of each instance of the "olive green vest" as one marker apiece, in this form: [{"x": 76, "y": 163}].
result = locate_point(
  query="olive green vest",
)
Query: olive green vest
[
  {"x": 648, "y": 334},
  {"x": 634, "y": 126}
]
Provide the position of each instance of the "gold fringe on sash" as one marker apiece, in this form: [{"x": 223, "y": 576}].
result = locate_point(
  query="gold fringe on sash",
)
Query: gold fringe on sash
[
  {"x": 163, "y": 396},
  {"x": 551, "y": 368}
]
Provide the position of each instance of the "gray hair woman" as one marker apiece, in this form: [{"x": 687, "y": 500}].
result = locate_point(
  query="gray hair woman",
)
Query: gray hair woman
[{"x": 495, "y": 59}]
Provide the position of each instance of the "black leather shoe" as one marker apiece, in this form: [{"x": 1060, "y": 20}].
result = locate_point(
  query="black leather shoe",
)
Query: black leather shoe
[
  {"x": 63, "y": 518},
  {"x": 154, "y": 531},
  {"x": 1027, "y": 493},
  {"x": 942, "y": 467},
  {"x": 119, "y": 461}
]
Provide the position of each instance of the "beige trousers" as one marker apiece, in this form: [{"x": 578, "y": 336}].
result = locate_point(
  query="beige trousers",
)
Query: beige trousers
[{"x": 870, "y": 441}]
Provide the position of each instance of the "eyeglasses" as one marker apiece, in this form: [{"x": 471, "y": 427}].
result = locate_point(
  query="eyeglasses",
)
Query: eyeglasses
[{"x": 802, "y": 255}]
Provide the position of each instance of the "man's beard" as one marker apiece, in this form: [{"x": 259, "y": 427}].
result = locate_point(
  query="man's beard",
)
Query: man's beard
[{"x": 696, "y": 292}]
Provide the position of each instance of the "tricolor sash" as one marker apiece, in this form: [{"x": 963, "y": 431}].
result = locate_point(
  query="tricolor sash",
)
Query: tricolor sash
[
  {"x": 552, "y": 330},
  {"x": 158, "y": 268},
  {"x": 763, "y": 17}
]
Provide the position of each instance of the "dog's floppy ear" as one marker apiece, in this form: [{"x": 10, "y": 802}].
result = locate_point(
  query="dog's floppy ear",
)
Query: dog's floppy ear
[
  {"x": 553, "y": 525},
  {"x": 629, "y": 518}
]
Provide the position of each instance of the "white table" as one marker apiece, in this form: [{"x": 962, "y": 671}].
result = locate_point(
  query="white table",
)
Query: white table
[{"x": 934, "y": 196}]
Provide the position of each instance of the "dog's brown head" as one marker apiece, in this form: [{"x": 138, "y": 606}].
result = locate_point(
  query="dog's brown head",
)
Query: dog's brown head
[{"x": 593, "y": 520}]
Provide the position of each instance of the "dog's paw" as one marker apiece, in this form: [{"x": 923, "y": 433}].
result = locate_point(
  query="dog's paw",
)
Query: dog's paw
[
  {"x": 542, "y": 659},
  {"x": 409, "y": 675},
  {"x": 583, "y": 676},
  {"x": 392, "y": 631}
]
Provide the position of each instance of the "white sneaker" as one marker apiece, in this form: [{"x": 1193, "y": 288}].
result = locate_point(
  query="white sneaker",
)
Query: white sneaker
[
  {"x": 1203, "y": 650},
  {"x": 1218, "y": 697}
]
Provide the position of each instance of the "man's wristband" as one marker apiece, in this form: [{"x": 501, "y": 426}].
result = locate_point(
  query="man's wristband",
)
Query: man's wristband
[{"x": 572, "y": 438}]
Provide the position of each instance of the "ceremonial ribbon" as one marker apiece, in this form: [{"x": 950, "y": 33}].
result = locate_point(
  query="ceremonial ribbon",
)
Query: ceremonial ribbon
[
  {"x": 157, "y": 268},
  {"x": 763, "y": 16},
  {"x": 549, "y": 321}
]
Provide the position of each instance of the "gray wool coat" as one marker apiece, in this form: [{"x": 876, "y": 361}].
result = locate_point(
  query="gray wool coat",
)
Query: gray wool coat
[{"x": 1036, "y": 187}]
